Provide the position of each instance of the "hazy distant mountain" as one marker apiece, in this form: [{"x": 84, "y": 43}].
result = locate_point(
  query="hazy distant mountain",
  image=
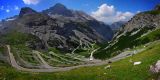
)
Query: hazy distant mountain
[{"x": 117, "y": 25}]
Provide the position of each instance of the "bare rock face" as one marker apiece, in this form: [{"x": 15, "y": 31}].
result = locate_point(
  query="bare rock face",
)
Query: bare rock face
[
  {"x": 155, "y": 68},
  {"x": 63, "y": 32},
  {"x": 62, "y": 13}
]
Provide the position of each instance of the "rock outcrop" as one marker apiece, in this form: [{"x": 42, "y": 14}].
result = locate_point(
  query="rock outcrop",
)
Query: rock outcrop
[{"x": 155, "y": 68}]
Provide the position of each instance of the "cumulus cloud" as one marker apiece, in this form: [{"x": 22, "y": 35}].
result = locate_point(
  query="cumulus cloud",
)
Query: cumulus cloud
[
  {"x": 7, "y": 10},
  {"x": 16, "y": 8},
  {"x": 108, "y": 14},
  {"x": 28, "y": 2}
]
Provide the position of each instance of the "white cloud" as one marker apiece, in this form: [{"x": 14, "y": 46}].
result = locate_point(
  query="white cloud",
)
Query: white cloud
[
  {"x": 108, "y": 14},
  {"x": 28, "y": 2},
  {"x": 16, "y": 8},
  {"x": 7, "y": 10}
]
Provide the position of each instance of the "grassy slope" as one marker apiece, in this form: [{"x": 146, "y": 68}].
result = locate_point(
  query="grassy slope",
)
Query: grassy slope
[
  {"x": 153, "y": 12},
  {"x": 15, "y": 38},
  {"x": 58, "y": 59},
  {"x": 18, "y": 41},
  {"x": 121, "y": 70},
  {"x": 152, "y": 36},
  {"x": 1, "y": 50},
  {"x": 129, "y": 41},
  {"x": 21, "y": 51}
]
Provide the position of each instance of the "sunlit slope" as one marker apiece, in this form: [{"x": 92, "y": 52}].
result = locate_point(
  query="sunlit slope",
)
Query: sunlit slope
[
  {"x": 121, "y": 70},
  {"x": 130, "y": 40}
]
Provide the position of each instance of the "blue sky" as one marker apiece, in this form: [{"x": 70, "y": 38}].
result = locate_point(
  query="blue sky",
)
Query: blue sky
[{"x": 95, "y": 8}]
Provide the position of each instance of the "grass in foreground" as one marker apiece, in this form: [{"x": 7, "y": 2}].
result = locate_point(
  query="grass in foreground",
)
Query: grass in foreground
[{"x": 121, "y": 70}]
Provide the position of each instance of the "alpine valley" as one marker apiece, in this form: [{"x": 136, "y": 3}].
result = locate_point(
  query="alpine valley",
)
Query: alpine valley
[{"x": 64, "y": 44}]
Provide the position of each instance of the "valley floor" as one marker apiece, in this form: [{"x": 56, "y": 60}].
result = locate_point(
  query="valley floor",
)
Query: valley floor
[
  {"x": 119, "y": 70},
  {"x": 49, "y": 68}
]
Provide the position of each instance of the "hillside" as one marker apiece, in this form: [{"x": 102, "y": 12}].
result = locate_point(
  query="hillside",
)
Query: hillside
[
  {"x": 120, "y": 70},
  {"x": 64, "y": 44},
  {"x": 61, "y": 36},
  {"x": 117, "y": 25},
  {"x": 141, "y": 29}
]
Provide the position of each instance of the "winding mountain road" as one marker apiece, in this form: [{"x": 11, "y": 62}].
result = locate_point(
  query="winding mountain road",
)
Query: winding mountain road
[
  {"x": 45, "y": 64},
  {"x": 91, "y": 54},
  {"x": 58, "y": 69}
]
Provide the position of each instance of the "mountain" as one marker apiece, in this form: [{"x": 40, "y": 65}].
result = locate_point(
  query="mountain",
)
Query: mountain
[
  {"x": 58, "y": 27},
  {"x": 141, "y": 29},
  {"x": 32, "y": 46},
  {"x": 26, "y": 11},
  {"x": 117, "y": 25},
  {"x": 59, "y": 9},
  {"x": 143, "y": 19},
  {"x": 62, "y": 13}
]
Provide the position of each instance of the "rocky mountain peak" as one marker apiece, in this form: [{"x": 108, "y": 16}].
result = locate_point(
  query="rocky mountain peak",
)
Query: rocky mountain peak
[
  {"x": 60, "y": 27},
  {"x": 59, "y": 6},
  {"x": 26, "y": 10},
  {"x": 59, "y": 9}
]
